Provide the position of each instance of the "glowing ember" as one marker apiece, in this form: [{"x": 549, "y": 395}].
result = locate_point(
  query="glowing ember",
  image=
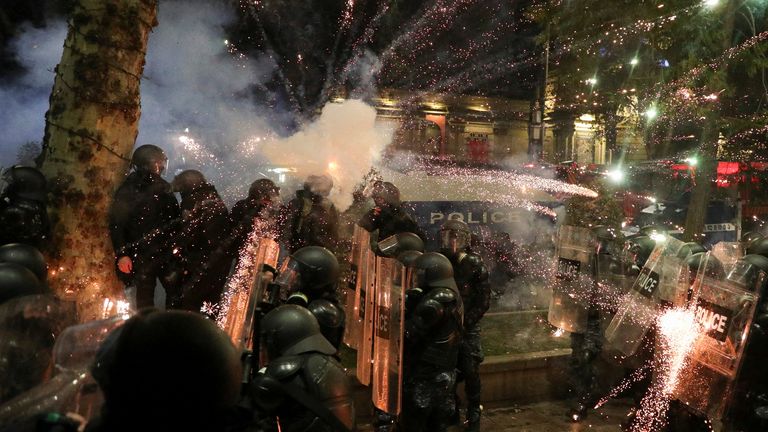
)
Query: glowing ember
[{"x": 678, "y": 331}]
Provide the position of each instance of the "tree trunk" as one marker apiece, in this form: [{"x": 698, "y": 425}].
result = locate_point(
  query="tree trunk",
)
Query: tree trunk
[
  {"x": 706, "y": 171},
  {"x": 90, "y": 129}
]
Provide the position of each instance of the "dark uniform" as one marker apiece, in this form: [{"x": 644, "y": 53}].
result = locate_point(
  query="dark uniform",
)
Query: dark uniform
[
  {"x": 263, "y": 197},
  {"x": 167, "y": 371},
  {"x": 388, "y": 217},
  {"x": 143, "y": 221},
  {"x": 205, "y": 223},
  {"x": 309, "y": 277},
  {"x": 303, "y": 388},
  {"x": 23, "y": 216},
  {"x": 471, "y": 277},
  {"x": 432, "y": 342},
  {"x": 311, "y": 219}
]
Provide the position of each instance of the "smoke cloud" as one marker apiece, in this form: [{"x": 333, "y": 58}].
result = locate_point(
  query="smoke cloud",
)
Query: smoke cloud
[
  {"x": 198, "y": 105},
  {"x": 344, "y": 142},
  {"x": 25, "y": 98}
]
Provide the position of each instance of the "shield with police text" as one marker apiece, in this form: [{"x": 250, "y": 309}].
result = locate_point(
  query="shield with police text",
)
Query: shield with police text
[
  {"x": 246, "y": 289},
  {"x": 361, "y": 312},
  {"x": 574, "y": 279},
  {"x": 388, "y": 335},
  {"x": 724, "y": 311},
  {"x": 657, "y": 284},
  {"x": 360, "y": 241}
]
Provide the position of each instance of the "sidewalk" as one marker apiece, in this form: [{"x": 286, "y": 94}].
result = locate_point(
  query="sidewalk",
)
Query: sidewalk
[{"x": 551, "y": 417}]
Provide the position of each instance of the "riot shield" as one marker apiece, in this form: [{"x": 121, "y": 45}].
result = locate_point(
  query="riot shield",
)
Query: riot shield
[
  {"x": 724, "y": 311},
  {"x": 72, "y": 388},
  {"x": 658, "y": 284},
  {"x": 246, "y": 288},
  {"x": 360, "y": 242},
  {"x": 728, "y": 253},
  {"x": 574, "y": 279},
  {"x": 388, "y": 335},
  {"x": 364, "y": 313}
]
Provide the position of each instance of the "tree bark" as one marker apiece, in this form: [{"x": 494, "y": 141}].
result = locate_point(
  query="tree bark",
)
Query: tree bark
[
  {"x": 706, "y": 171},
  {"x": 90, "y": 129}
]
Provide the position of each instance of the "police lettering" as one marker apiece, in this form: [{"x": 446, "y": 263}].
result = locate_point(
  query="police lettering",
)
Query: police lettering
[
  {"x": 477, "y": 217},
  {"x": 714, "y": 319},
  {"x": 382, "y": 322},
  {"x": 567, "y": 269},
  {"x": 647, "y": 282}
]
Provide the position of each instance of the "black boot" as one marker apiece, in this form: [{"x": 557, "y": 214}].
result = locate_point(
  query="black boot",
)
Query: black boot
[{"x": 474, "y": 412}]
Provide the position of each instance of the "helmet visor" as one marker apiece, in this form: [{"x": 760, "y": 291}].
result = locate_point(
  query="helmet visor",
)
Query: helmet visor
[
  {"x": 289, "y": 277},
  {"x": 388, "y": 246},
  {"x": 454, "y": 241}
]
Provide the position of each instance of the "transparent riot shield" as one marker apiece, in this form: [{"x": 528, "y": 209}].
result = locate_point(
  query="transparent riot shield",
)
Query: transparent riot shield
[
  {"x": 352, "y": 331},
  {"x": 724, "y": 311},
  {"x": 388, "y": 335},
  {"x": 612, "y": 275},
  {"x": 245, "y": 289},
  {"x": 728, "y": 253},
  {"x": 574, "y": 279},
  {"x": 72, "y": 389},
  {"x": 658, "y": 284},
  {"x": 365, "y": 313}
]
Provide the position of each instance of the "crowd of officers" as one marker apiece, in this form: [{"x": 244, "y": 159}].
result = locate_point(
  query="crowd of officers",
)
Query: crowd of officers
[{"x": 176, "y": 370}]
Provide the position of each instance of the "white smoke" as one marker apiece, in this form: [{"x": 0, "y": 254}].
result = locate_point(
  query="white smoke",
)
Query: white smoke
[
  {"x": 198, "y": 105},
  {"x": 197, "y": 99},
  {"x": 344, "y": 142},
  {"x": 25, "y": 99}
]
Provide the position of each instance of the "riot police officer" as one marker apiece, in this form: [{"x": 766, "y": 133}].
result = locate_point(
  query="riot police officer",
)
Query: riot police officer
[
  {"x": 433, "y": 329},
  {"x": 205, "y": 222},
  {"x": 23, "y": 216},
  {"x": 167, "y": 371},
  {"x": 141, "y": 222},
  {"x": 309, "y": 277},
  {"x": 471, "y": 277},
  {"x": 303, "y": 388},
  {"x": 388, "y": 217},
  {"x": 311, "y": 219},
  {"x": 263, "y": 196}
]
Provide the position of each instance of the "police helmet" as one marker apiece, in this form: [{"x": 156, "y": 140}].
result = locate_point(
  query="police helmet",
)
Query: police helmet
[
  {"x": 454, "y": 236},
  {"x": 690, "y": 248},
  {"x": 750, "y": 236},
  {"x": 386, "y": 193},
  {"x": 25, "y": 256},
  {"x": 751, "y": 272},
  {"x": 292, "y": 330},
  {"x": 394, "y": 245},
  {"x": 263, "y": 188},
  {"x": 26, "y": 182},
  {"x": 433, "y": 270},
  {"x": 174, "y": 368},
  {"x": 187, "y": 181},
  {"x": 407, "y": 258},
  {"x": 713, "y": 267},
  {"x": 149, "y": 158},
  {"x": 17, "y": 281},
  {"x": 640, "y": 247},
  {"x": 311, "y": 268},
  {"x": 758, "y": 246}
]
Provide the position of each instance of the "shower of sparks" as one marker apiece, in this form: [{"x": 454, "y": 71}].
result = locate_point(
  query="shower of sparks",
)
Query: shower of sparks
[
  {"x": 679, "y": 330},
  {"x": 111, "y": 308}
]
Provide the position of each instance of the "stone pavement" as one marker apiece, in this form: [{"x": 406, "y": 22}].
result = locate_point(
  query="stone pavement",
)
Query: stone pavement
[
  {"x": 548, "y": 417},
  {"x": 551, "y": 417}
]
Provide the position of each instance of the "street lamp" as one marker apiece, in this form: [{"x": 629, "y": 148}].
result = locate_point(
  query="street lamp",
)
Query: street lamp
[
  {"x": 651, "y": 113},
  {"x": 634, "y": 61},
  {"x": 711, "y": 3}
]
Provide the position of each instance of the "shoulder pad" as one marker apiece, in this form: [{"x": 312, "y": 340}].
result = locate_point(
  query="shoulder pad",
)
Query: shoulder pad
[
  {"x": 477, "y": 265},
  {"x": 442, "y": 295},
  {"x": 327, "y": 313},
  {"x": 284, "y": 367}
]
